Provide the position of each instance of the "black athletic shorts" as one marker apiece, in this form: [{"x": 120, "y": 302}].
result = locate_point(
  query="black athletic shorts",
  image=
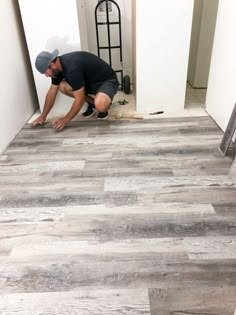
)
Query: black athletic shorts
[{"x": 108, "y": 87}]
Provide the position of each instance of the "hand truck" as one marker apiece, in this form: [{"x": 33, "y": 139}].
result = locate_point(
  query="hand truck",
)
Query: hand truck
[{"x": 125, "y": 80}]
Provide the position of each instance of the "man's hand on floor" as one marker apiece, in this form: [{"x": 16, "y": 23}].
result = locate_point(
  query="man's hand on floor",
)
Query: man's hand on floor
[
  {"x": 60, "y": 123},
  {"x": 38, "y": 122}
]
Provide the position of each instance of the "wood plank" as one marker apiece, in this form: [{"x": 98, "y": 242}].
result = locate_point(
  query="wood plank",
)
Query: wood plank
[
  {"x": 24, "y": 158},
  {"x": 147, "y": 182},
  {"x": 37, "y": 214},
  {"x": 128, "y": 139},
  {"x": 51, "y": 214},
  {"x": 51, "y": 182},
  {"x": 203, "y": 300},
  {"x": 43, "y": 167},
  {"x": 219, "y": 195},
  {"x": 60, "y": 198},
  {"x": 43, "y": 273},
  {"x": 207, "y": 248},
  {"x": 102, "y": 248},
  {"x": 114, "y": 302}
]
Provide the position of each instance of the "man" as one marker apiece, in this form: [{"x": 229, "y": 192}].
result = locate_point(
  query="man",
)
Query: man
[{"x": 79, "y": 75}]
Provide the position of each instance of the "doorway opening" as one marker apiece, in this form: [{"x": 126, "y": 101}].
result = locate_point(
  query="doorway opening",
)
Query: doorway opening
[
  {"x": 202, "y": 37},
  {"x": 126, "y": 40}
]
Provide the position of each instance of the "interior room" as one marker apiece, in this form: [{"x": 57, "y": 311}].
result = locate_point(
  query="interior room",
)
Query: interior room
[
  {"x": 135, "y": 214},
  {"x": 202, "y": 34}
]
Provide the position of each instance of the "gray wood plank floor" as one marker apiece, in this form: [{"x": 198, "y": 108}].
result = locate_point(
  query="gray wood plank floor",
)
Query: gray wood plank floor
[{"x": 118, "y": 217}]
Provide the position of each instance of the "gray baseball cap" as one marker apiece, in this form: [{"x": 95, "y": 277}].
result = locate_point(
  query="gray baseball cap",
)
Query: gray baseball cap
[{"x": 43, "y": 60}]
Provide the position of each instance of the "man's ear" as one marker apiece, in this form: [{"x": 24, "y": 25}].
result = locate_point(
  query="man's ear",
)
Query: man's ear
[{"x": 52, "y": 65}]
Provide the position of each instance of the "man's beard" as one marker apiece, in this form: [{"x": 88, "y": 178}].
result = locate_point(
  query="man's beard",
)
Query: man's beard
[{"x": 55, "y": 73}]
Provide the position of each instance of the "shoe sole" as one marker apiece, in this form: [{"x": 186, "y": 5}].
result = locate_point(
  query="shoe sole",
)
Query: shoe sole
[
  {"x": 89, "y": 115},
  {"x": 102, "y": 118}
]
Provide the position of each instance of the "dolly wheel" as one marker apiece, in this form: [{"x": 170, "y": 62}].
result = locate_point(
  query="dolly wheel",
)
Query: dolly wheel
[{"x": 126, "y": 84}]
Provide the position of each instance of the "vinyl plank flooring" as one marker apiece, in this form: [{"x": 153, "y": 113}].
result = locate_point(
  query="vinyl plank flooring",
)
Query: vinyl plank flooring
[
  {"x": 43, "y": 167},
  {"x": 54, "y": 214},
  {"x": 118, "y": 217},
  {"x": 61, "y": 198},
  {"x": 3, "y": 158},
  {"x": 144, "y": 226},
  {"x": 147, "y": 182},
  {"x": 51, "y": 273},
  {"x": 203, "y": 300},
  {"x": 101, "y": 248},
  {"x": 53, "y": 183},
  {"x": 114, "y": 302},
  {"x": 159, "y": 130},
  {"x": 158, "y": 141},
  {"x": 22, "y": 158},
  {"x": 225, "y": 209},
  {"x": 201, "y": 168},
  {"x": 11, "y": 234},
  {"x": 171, "y": 150},
  {"x": 219, "y": 195},
  {"x": 30, "y": 215},
  {"x": 211, "y": 247},
  {"x": 49, "y": 133}
]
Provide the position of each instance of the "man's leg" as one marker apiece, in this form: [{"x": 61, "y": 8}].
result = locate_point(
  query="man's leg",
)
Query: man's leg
[
  {"x": 102, "y": 102},
  {"x": 90, "y": 111},
  {"x": 66, "y": 89},
  {"x": 104, "y": 97}
]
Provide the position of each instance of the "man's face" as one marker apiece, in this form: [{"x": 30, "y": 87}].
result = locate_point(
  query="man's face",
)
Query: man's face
[{"x": 52, "y": 71}]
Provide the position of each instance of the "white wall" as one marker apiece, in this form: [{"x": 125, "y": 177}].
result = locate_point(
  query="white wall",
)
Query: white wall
[
  {"x": 49, "y": 25},
  {"x": 195, "y": 36},
  {"x": 163, "y": 29},
  {"x": 221, "y": 95},
  {"x": 126, "y": 25},
  {"x": 203, "y": 29},
  {"x": 17, "y": 98}
]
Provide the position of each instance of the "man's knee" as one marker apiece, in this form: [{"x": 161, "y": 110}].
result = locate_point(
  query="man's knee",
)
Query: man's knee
[
  {"x": 101, "y": 107},
  {"x": 102, "y": 102}
]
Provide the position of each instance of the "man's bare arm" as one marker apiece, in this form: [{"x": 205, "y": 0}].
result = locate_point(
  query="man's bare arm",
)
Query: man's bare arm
[
  {"x": 79, "y": 96},
  {"x": 49, "y": 102}
]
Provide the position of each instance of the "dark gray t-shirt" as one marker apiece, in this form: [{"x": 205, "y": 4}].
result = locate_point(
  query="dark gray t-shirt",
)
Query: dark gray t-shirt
[{"x": 83, "y": 69}]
